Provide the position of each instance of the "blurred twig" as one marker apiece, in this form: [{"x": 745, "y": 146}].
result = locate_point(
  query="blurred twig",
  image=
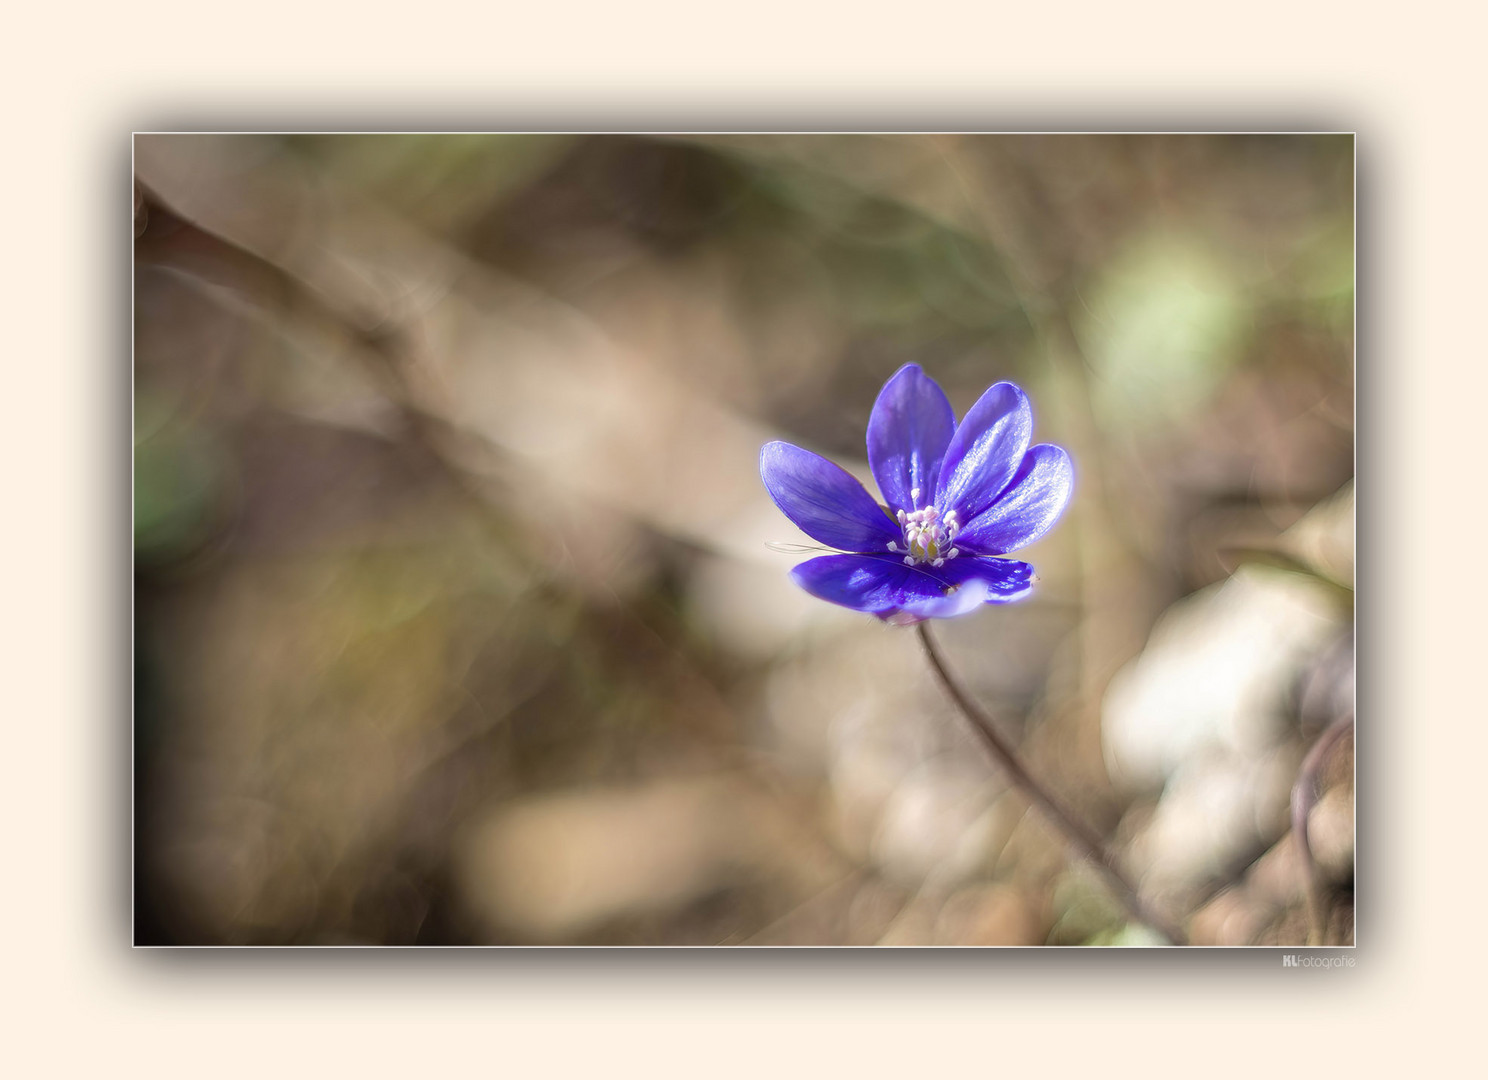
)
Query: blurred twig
[
  {"x": 1087, "y": 842},
  {"x": 166, "y": 238},
  {"x": 1304, "y": 797}
]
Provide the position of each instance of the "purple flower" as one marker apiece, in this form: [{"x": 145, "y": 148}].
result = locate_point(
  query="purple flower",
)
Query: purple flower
[{"x": 958, "y": 497}]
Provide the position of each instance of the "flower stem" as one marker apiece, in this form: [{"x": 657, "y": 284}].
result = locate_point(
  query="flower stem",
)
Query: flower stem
[
  {"x": 1304, "y": 796},
  {"x": 1086, "y": 842}
]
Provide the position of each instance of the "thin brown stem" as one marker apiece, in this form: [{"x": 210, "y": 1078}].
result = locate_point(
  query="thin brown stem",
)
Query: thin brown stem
[
  {"x": 1304, "y": 797},
  {"x": 1085, "y": 841}
]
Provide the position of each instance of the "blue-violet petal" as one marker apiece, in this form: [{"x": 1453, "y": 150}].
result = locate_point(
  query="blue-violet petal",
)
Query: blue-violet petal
[
  {"x": 908, "y": 432},
  {"x": 1028, "y": 508},
  {"x": 825, "y": 501},
  {"x": 886, "y": 587},
  {"x": 997, "y": 581},
  {"x": 985, "y": 451},
  {"x": 881, "y": 584}
]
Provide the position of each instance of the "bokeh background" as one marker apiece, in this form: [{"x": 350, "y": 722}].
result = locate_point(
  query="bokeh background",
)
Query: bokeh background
[{"x": 458, "y": 618}]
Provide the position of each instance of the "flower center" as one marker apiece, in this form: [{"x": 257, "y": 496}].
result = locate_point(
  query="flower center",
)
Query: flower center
[{"x": 927, "y": 536}]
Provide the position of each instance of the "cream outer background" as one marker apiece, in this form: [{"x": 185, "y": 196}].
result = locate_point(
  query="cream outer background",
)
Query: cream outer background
[{"x": 79, "y": 1002}]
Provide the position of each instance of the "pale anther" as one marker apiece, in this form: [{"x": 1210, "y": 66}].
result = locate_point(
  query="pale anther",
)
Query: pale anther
[{"x": 927, "y": 535}]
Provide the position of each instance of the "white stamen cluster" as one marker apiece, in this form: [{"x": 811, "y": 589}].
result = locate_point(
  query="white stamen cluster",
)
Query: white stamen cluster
[{"x": 927, "y": 536}]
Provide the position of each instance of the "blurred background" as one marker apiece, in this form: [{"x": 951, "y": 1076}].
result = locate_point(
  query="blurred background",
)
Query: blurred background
[{"x": 457, "y": 619}]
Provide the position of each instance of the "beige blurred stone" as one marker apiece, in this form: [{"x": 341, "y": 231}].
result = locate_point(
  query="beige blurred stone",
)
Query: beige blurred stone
[
  {"x": 1216, "y": 673},
  {"x": 1276, "y": 877},
  {"x": 1324, "y": 538},
  {"x": 988, "y": 915},
  {"x": 1231, "y": 918},
  {"x": 1330, "y": 832},
  {"x": 1215, "y": 808},
  {"x": 914, "y": 925},
  {"x": 550, "y": 867}
]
